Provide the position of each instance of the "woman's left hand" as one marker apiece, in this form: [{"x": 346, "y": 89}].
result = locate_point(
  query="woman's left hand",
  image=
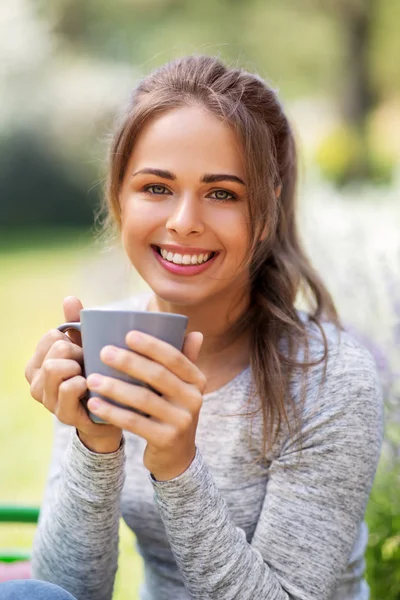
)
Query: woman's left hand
[{"x": 171, "y": 429}]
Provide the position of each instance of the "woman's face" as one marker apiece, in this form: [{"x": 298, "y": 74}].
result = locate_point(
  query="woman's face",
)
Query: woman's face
[{"x": 184, "y": 192}]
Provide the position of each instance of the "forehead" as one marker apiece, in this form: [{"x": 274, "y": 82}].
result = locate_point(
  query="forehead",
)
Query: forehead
[{"x": 188, "y": 139}]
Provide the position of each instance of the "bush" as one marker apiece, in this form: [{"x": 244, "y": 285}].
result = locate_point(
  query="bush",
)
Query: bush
[
  {"x": 36, "y": 188},
  {"x": 383, "y": 518},
  {"x": 343, "y": 157}
]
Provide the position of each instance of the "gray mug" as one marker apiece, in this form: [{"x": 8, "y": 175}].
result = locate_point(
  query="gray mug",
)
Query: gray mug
[{"x": 101, "y": 327}]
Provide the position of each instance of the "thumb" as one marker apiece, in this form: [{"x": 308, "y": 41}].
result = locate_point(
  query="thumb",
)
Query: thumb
[
  {"x": 192, "y": 345},
  {"x": 72, "y": 307}
]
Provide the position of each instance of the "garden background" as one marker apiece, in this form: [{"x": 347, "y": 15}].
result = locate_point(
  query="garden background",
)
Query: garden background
[{"x": 67, "y": 67}]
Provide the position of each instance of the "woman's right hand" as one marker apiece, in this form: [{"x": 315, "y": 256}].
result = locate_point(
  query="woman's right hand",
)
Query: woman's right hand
[{"x": 55, "y": 376}]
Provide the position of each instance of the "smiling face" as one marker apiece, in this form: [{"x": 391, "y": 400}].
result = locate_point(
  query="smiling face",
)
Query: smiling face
[{"x": 183, "y": 196}]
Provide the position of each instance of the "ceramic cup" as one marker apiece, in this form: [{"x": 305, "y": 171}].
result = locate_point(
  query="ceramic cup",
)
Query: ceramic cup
[{"x": 101, "y": 327}]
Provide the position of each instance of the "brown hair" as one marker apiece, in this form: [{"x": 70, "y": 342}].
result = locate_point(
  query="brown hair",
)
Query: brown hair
[{"x": 279, "y": 268}]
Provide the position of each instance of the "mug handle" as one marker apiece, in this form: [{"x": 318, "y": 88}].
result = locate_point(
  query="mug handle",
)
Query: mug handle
[
  {"x": 77, "y": 326},
  {"x": 65, "y": 326}
]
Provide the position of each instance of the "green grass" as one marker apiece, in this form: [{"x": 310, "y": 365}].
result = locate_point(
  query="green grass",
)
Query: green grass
[{"x": 38, "y": 271}]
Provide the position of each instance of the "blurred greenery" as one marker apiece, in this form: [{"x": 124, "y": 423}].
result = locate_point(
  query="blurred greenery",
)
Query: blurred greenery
[
  {"x": 297, "y": 43},
  {"x": 340, "y": 158},
  {"x": 383, "y": 517},
  {"x": 68, "y": 66},
  {"x": 36, "y": 189}
]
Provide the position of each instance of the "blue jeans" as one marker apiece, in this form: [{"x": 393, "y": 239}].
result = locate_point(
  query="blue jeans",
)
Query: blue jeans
[{"x": 31, "y": 589}]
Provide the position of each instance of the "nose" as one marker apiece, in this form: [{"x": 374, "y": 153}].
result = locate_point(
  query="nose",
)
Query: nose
[{"x": 185, "y": 218}]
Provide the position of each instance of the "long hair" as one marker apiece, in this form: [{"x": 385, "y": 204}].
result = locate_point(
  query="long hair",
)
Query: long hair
[{"x": 279, "y": 268}]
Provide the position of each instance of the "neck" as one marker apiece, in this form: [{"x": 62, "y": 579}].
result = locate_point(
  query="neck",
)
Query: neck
[{"x": 213, "y": 319}]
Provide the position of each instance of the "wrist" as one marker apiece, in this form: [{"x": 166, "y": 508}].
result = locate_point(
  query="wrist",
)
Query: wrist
[
  {"x": 100, "y": 445},
  {"x": 164, "y": 475}
]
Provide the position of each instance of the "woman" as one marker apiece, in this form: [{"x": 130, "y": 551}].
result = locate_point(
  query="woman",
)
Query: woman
[{"x": 251, "y": 477}]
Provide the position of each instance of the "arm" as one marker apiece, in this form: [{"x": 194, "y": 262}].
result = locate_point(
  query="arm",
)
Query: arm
[
  {"x": 76, "y": 542},
  {"x": 313, "y": 507}
]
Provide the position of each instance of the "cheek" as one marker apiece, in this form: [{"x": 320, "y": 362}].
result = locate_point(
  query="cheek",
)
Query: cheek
[
  {"x": 137, "y": 220},
  {"x": 236, "y": 228},
  {"x": 132, "y": 236}
]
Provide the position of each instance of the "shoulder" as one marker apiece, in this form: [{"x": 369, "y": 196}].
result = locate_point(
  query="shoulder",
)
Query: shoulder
[
  {"x": 344, "y": 392},
  {"x": 347, "y": 357}
]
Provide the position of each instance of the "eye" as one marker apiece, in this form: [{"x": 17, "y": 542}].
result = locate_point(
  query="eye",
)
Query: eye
[
  {"x": 223, "y": 195},
  {"x": 157, "y": 189}
]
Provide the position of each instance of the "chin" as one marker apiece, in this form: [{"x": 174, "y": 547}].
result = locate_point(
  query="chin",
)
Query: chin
[{"x": 183, "y": 298}]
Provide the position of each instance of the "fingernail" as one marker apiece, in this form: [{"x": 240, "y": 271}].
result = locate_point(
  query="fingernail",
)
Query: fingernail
[
  {"x": 94, "y": 404},
  {"x": 109, "y": 353},
  {"x": 134, "y": 337},
  {"x": 95, "y": 380}
]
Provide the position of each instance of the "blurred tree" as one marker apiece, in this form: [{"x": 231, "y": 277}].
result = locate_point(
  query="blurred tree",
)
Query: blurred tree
[
  {"x": 355, "y": 19},
  {"x": 301, "y": 41},
  {"x": 358, "y": 96},
  {"x": 360, "y": 24},
  {"x": 343, "y": 49},
  {"x": 292, "y": 47},
  {"x": 36, "y": 190}
]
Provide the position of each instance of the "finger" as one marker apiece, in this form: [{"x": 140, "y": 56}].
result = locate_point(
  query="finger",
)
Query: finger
[
  {"x": 69, "y": 408},
  {"x": 41, "y": 351},
  {"x": 192, "y": 345},
  {"x": 150, "y": 430},
  {"x": 64, "y": 348},
  {"x": 145, "y": 370},
  {"x": 53, "y": 372},
  {"x": 162, "y": 353},
  {"x": 72, "y": 307},
  {"x": 60, "y": 349},
  {"x": 134, "y": 396}
]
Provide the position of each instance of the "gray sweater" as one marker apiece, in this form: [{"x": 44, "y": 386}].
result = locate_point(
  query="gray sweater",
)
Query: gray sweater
[{"x": 290, "y": 526}]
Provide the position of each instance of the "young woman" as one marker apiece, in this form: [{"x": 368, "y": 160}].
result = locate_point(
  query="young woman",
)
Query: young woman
[{"x": 251, "y": 477}]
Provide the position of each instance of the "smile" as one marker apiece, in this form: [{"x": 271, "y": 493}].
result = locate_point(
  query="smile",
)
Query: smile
[
  {"x": 184, "y": 264},
  {"x": 185, "y": 259}
]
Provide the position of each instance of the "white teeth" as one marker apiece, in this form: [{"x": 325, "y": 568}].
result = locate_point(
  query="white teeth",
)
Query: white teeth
[
  {"x": 184, "y": 259},
  {"x": 177, "y": 259}
]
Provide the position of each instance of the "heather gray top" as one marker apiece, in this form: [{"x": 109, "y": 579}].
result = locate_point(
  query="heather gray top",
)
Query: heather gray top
[{"x": 288, "y": 527}]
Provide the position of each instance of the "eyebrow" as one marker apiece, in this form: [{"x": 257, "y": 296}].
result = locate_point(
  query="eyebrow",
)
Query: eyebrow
[
  {"x": 215, "y": 177},
  {"x": 207, "y": 178}
]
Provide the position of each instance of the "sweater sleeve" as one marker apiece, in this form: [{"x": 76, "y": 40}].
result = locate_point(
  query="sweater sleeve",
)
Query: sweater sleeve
[
  {"x": 314, "y": 504},
  {"x": 76, "y": 542}
]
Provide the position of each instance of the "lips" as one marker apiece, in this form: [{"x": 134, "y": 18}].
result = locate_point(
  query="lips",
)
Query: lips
[{"x": 182, "y": 269}]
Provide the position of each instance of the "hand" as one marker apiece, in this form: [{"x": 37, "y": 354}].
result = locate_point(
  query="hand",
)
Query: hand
[
  {"x": 171, "y": 428},
  {"x": 55, "y": 376}
]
